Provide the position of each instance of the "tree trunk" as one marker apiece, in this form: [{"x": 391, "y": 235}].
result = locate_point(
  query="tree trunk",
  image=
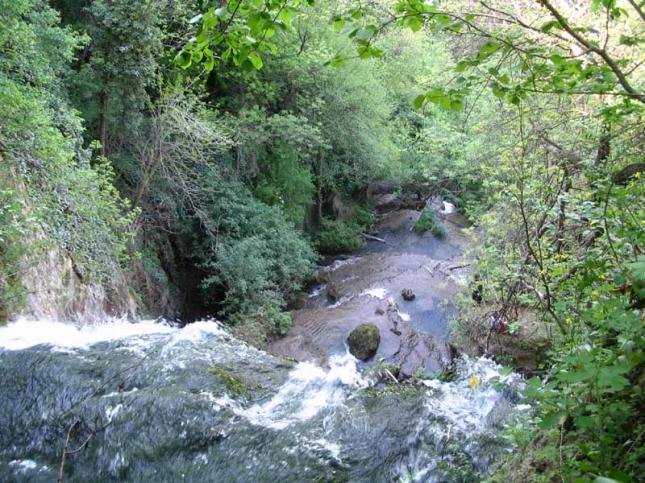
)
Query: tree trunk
[
  {"x": 319, "y": 190},
  {"x": 103, "y": 128}
]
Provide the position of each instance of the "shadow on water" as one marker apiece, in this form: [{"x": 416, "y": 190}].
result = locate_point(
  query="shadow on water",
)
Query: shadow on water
[{"x": 434, "y": 321}]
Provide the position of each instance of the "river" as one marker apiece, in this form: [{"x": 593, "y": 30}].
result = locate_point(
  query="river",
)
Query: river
[{"x": 148, "y": 401}]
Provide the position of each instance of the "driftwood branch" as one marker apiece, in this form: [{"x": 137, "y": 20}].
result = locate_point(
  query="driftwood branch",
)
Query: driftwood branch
[
  {"x": 391, "y": 376},
  {"x": 455, "y": 267},
  {"x": 375, "y": 238},
  {"x": 61, "y": 469}
]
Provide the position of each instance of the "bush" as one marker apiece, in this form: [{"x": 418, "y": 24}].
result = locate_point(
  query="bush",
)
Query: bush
[
  {"x": 362, "y": 216},
  {"x": 427, "y": 221},
  {"x": 287, "y": 184},
  {"x": 338, "y": 236},
  {"x": 253, "y": 256}
]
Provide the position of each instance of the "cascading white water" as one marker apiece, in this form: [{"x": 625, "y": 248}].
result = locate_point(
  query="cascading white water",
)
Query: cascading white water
[
  {"x": 24, "y": 333},
  {"x": 308, "y": 390},
  {"x": 313, "y": 412}
]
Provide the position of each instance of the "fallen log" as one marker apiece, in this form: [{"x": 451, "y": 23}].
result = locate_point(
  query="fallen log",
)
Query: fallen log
[
  {"x": 455, "y": 267},
  {"x": 375, "y": 238}
]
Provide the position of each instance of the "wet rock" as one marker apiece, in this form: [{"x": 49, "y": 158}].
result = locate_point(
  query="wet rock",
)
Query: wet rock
[
  {"x": 299, "y": 301},
  {"x": 363, "y": 341},
  {"x": 332, "y": 293},
  {"x": 407, "y": 294},
  {"x": 418, "y": 351},
  {"x": 386, "y": 202},
  {"x": 322, "y": 277}
]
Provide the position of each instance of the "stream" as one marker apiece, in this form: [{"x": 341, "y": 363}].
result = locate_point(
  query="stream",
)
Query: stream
[{"x": 118, "y": 401}]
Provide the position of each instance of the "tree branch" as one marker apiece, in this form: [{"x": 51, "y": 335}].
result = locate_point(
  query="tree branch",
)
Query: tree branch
[{"x": 602, "y": 53}]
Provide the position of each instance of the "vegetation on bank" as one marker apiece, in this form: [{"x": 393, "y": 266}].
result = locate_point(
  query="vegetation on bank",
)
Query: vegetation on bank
[
  {"x": 428, "y": 222},
  {"x": 207, "y": 152}
]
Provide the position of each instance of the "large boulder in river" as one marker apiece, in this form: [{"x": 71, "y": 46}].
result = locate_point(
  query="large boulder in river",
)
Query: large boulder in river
[{"x": 363, "y": 341}]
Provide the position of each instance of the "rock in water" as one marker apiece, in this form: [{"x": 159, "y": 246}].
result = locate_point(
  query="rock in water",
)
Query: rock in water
[
  {"x": 407, "y": 294},
  {"x": 364, "y": 341}
]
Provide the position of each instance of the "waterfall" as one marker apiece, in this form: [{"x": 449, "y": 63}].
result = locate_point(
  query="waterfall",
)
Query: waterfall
[{"x": 150, "y": 401}]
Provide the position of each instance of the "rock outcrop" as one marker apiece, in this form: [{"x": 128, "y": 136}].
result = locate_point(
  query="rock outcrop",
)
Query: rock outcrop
[{"x": 417, "y": 351}]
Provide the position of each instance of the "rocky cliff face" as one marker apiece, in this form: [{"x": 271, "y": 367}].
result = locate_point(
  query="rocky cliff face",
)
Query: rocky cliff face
[{"x": 56, "y": 290}]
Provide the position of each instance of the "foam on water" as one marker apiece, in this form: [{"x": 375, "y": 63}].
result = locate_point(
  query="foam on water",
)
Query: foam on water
[
  {"x": 24, "y": 465},
  {"x": 25, "y": 333},
  {"x": 467, "y": 402},
  {"x": 317, "y": 290},
  {"x": 308, "y": 390},
  {"x": 338, "y": 264},
  {"x": 378, "y": 293},
  {"x": 341, "y": 301},
  {"x": 464, "y": 410}
]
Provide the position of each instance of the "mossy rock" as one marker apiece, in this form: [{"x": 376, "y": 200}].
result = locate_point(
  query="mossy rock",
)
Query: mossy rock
[
  {"x": 363, "y": 341},
  {"x": 235, "y": 385}
]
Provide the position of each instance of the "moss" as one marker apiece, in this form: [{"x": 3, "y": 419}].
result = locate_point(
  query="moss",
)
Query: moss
[
  {"x": 400, "y": 389},
  {"x": 234, "y": 384},
  {"x": 363, "y": 341}
]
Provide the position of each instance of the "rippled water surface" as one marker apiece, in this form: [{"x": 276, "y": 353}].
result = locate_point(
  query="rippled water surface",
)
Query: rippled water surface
[{"x": 150, "y": 402}]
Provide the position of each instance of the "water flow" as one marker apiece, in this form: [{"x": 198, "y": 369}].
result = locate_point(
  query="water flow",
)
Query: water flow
[{"x": 151, "y": 402}]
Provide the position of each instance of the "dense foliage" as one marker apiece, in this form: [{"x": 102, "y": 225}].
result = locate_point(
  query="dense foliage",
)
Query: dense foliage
[{"x": 56, "y": 194}]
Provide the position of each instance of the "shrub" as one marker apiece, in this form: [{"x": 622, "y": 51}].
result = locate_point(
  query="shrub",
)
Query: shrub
[
  {"x": 66, "y": 201},
  {"x": 338, "y": 236},
  {"x": 362, "y": 216},
  {"x": 427, "y": 221},
  {"x": 287, "y": 184},
  {"x": 252, "y": 255}
]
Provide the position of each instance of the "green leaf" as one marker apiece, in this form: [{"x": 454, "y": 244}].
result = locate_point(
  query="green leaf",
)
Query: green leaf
[
  {"x": 550, "y": 25},
  {"x": 552, "y": 420},
  {"x": 184, "y": 59},
  {"x": 435, "y": 95},
  {"x": 489, "y": 48},
  {"x": 498, "y": 91},
  {"x": 583, "y": 422},
  {"x": 462, "y": 65},
  {"x": 419, "y": 101},
  {"x": 286, "y": 15},
  {"x": 610, "y": 377},
  {"x": 630, "y": 40},
  {"x": 456, "y": 105},
  {"x": 414, "y": 23},
  {"x": 256, "y": 60},
  {"x": 577, "y": 376},
  {"x": 337, "y": 62}
]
